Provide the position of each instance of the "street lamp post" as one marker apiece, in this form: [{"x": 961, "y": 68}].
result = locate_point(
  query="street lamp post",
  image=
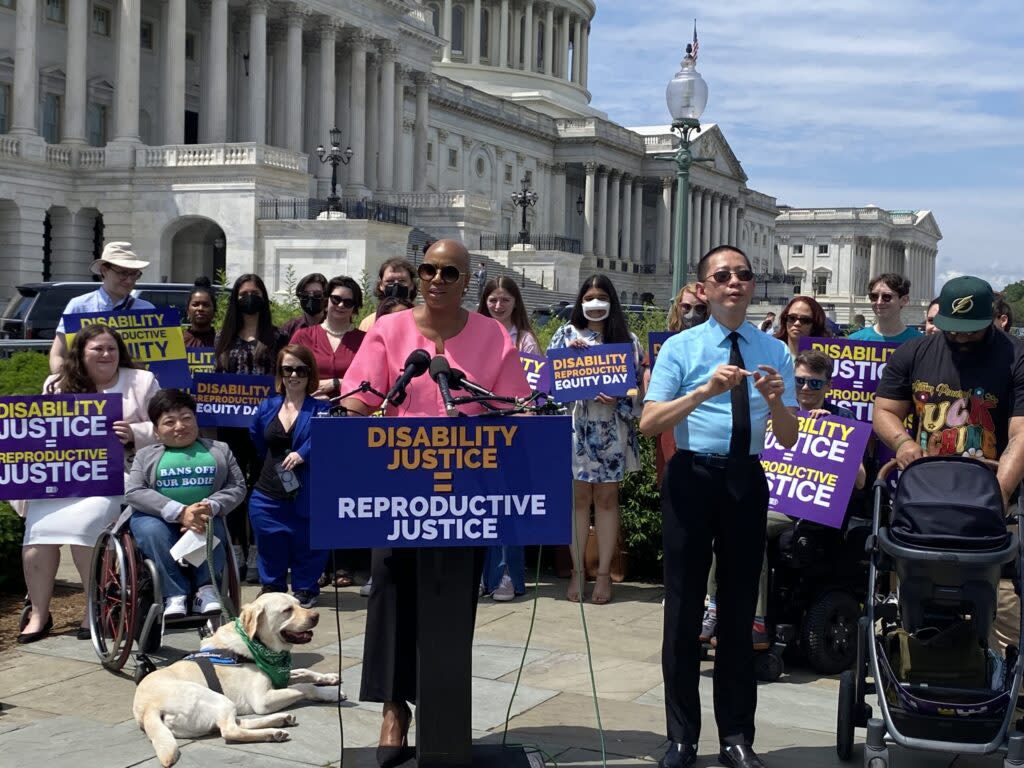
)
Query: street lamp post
[
  {"x": 686, "y": 95},
  {"x": 525, "y": 198},
  {"x": 335, "y": 157}
]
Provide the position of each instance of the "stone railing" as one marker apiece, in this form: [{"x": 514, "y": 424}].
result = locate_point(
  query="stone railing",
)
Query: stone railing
[
  {"x": 457, "y": 198},
  {"x": 212, "y": 155},
  {"x": 58, "y": 154},
  {"x": 847, "y": 214},
  {"x": 10, "y": 146},
  {"x": 587, "y": 127},
  {"x": 94, "y": 157}
]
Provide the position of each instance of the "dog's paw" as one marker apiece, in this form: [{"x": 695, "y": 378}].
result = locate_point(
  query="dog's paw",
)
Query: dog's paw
[
  {"x": 290, "y": 720},
  {"x": 330, "y": 678},
  {"x": 329, "y": 693},
  {"x": 278, "y": 735}
]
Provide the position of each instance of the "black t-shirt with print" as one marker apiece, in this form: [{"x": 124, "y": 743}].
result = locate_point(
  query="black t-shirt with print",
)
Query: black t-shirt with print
[{"x": 963, "y": 402}]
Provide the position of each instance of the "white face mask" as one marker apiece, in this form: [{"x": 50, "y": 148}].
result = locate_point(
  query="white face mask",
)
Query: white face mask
[{"x": 595, "y": 309}]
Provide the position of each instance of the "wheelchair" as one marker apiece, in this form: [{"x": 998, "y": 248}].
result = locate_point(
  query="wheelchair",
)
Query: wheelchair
[{"x": 125, "y": 601}]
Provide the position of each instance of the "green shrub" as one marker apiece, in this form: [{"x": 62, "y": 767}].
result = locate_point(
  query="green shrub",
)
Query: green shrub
[
  {"x": 23, "y": 373},
  {"x": 12, "y": 529},
  {"x": 640, "y": 506}
]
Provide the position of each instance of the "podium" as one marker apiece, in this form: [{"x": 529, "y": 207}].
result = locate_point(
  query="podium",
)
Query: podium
[{"x": 445, "y": 487}]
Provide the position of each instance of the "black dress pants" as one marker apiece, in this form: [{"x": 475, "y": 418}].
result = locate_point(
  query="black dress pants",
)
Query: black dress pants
[{"x": 698, "y": 514}]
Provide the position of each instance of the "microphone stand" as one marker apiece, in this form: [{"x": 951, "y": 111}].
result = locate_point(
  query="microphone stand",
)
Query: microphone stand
[{"x": 337, "y": 409}]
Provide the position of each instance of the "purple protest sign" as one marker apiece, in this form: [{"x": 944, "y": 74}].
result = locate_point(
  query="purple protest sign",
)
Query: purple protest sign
[
  {"x": 538, "y": 372},
  {"x": 229, "y": 399},
  {"x": 814, "y": 479},
  {"x": 856, "y": 371},
  {"x": 584, "y": 373},
  {"x": 654, "y": 341},
  {"x": 60, "y": 446}
]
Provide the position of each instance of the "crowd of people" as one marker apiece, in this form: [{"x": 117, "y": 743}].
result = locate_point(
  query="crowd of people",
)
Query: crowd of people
[{"x": 716, "y": 387}]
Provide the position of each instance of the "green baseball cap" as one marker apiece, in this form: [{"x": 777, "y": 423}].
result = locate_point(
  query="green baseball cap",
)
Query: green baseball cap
[{"x": 965, "y": 305}]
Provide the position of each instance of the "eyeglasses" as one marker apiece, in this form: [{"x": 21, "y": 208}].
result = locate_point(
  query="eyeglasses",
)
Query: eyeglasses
[
  {"x": 723, "y": 276},
  {"x": 884, "y": 298},
  {"x": 125, "y": 274},
  {"x": 801, "y": 319},
  {"x": 302, "y": 371},
  {"x": 700, "y": 309},
  {"x": 342, "y": 300},
  {"x": 449, "y": 274},
  {"x": 815, "y": 384}
]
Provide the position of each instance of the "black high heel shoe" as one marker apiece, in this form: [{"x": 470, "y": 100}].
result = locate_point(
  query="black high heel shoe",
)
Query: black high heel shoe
[
  {"x": 391, "y": 756},
  {"x": 31, "y": 637}
]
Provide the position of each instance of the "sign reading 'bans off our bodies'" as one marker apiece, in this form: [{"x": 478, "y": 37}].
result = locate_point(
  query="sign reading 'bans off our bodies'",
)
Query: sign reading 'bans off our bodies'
[
  {"x": 153, "y": 338},
  {"x": 814, "y": 479},
  {"x": 856, "y": 372},
  {"x": 229, "y": 399},
  {"x": 442, "y": 482},
  {"x": 584, "y": 373},
  {"x": 60, "y": 446}
]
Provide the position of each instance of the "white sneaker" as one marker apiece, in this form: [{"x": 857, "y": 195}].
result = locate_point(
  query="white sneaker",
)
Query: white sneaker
[
  {"x": 175, "y": 607},
  {"x": 206, "y": 602},
  {"x": 505, "y": 590}
]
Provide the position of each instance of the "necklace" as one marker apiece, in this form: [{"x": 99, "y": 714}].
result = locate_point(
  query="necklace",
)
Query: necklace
[
  {"x": 331, "y": 332},
  {"x": 276, "y": 664}
]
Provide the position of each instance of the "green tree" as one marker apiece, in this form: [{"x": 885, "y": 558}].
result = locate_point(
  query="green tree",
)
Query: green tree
[{"x": 1014, "y": 295}]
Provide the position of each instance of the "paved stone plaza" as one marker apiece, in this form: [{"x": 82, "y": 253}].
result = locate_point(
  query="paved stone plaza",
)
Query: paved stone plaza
[{"x": 61, "y": 709}]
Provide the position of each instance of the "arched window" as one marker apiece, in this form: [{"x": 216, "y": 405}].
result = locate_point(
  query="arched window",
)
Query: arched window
[
  {"x": 458, "y": 30},
  {"x": 435, "y": 17},
  {"x": 541, "y": 53},
  {"x": 485, "y": 28}
]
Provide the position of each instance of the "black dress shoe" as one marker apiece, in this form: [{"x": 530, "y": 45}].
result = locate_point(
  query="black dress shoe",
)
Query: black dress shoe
[
  {"x": 31, "y": 637},
  {"x": 678, "y": 756},
  {"x": 739, "y": 756},
  {"x": 84, "y": 633}
]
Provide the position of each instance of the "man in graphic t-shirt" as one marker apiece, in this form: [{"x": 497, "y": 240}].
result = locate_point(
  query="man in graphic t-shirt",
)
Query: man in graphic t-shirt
[{"x": 965, "y": 387}]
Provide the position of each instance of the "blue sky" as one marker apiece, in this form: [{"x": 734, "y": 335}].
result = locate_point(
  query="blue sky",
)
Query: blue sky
[{"x": 903, "y": 104}]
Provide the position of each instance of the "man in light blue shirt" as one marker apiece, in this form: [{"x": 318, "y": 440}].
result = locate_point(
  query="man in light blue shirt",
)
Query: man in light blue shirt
[
  {"x": 716, "y": 385},
  {"x": 120, "y": 269}
]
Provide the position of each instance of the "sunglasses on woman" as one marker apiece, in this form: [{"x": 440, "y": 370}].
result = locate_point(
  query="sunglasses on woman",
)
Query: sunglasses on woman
[
  {"x": 885, "y": 298},
  {"x": 723, "y": 276},
  {"x": 815, "y": 384},
  {"x": 801, "y": 319},
  {"x": 342, "y": 301},
  {"x": 449, "y": 274},
  {"x": 700, "y": 309},
  {"x": 302, "y": 371}
]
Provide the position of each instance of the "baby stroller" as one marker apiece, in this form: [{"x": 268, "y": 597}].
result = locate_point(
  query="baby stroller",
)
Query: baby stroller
[{"x": 938, "y": 684}]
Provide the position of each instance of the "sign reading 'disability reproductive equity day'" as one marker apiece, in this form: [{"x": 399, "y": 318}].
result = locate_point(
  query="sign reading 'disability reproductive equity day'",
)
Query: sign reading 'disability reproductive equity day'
[
  {"x": 60, "y": 446},
  {"x": 584, "y": 373},
  {"x": 229, "y": 399},
  {"x": 153, "y": 338},
  {"x": 856, "y": 371},
  {"x": 814, "y": 479},
  {"x": 440, "y": 482}
]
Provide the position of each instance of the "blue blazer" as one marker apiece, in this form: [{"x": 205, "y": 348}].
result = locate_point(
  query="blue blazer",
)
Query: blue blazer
[{"x": 301, "y": 434}]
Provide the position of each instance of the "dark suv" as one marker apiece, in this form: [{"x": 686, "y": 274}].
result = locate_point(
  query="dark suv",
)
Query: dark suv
[{"x": 33, "y": 313}]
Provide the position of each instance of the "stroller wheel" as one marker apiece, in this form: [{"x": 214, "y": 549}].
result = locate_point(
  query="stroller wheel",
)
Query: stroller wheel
[
  {"x": 768, "y": 667},
  {"x": 845, "y": 716},
  {"x": 829, "y": 633}
]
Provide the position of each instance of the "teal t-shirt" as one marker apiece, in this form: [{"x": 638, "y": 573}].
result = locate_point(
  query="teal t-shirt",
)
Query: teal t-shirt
[
  {"x": 186, "y": 474},
  {"x": 870, "y": 334}
]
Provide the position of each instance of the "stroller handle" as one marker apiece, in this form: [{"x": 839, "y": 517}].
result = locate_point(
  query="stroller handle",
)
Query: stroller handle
[{"x": 890, "y": 465}]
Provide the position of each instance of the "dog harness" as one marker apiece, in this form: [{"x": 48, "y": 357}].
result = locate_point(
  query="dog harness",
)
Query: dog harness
[{"x": 206, "y": 658}]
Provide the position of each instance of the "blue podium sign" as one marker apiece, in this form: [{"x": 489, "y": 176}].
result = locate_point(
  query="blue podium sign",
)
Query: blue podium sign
[{"x": 440, "y": 482}]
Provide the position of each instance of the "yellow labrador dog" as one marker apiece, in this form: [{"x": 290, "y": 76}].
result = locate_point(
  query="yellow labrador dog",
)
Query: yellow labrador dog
[{"x": 177, "y": 700}]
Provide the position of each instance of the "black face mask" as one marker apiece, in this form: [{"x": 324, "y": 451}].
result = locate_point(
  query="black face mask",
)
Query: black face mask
[
  {"x": 312, "y": 305},
  {"x": 251, "y": 305},
  {"x": 396, "y": 290}
]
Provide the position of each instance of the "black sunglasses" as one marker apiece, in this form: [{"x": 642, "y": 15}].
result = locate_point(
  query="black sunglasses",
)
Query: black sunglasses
[
  {"x": 723, "y": 276},
  {"x": 342, "y": 301},
  {"x": 885, "y": 298},
  {"x": 302, "y": 371},
  {"x": 449, "y": 274},
  {"x": 815, "y": 384},
  {"x": 802, "y": 319},
  {"x": 700, "y": 309}
]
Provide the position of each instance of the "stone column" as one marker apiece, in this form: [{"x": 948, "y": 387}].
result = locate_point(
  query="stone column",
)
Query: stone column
[
  {"x": 576, "y": 49},
  {"x": 293, "y": 84},
  {"x": 636, "y": 246},
  {"x": 126, "y": 91},
  {"x": 665, "y": 221},
  {"x": 873, "y": 259},
  {"x": 217, "y": 57},
  {"x": 328, "y": 88},
  {"x": 585, "y": 62},
  {"x": 503, "y": 35},
  {"x": 358, "y": 43},
  {"x": 529, "y": 63},
  {"x": 373, "y": 145},
  {"x": 174, "y": 73},
  {"x": 74, "y": 129},
  {"x": 23, "y": 241},
  {"x": 386, "y": 151},
  {"x": 71, "y": 235},
  {"x": 627, "y": 218},
  {"x": 473, "y": 44},
  {"x": 342, "y": 99},
  {"x": 446, "y": 30},
  {"x": 558, "y": 203},
  {"x": 706, "y": 202},
  {"x": 734, "y": 234},
  {"x": 549, "y": 40},
  {"x": 398, "y": 112},
  {"x": 691, "y": 232},
  {"x": 563, "y": 54},
  {"x": 279, "y": 85},
  {"x": 716, "y": 220},
  {"x": 612, "y": 248},
  {"x": 419, "y": 163},
  {"x": 205, "y": 8},
  {"x": 258, "y": 71},
  {"x": 601, "y": 214},
  {"x": 26, "y": 68},
  {"x": 723, "y": 221},
  {"x": 588, "y": 209}
]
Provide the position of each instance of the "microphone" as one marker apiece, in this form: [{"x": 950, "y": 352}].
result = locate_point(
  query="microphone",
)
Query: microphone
[
  {"x": 457, "y": 380},
  {"x": 416, "y": 364},
  {"x": 441, "y": 372}
]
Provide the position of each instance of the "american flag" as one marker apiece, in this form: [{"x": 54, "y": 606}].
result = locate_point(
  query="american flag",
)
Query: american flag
[{"x": 694, "y": 45}]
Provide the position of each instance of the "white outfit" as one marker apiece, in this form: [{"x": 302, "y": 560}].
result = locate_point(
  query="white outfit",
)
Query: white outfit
[{"x": 82, "y": 520}]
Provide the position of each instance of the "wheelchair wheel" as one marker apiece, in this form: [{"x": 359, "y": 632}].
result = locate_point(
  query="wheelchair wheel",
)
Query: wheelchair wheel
[
  {"x": 845, "y": 716},
  {"x": 829, "y": 633},
  {"x": 113, "y": 591}
]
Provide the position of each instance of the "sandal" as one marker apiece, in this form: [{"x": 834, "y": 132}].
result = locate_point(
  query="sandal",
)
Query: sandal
[
  {"x": 572, "y": 594},
  {"x": 602, "y": 594},
  {"x": 339, "y": 579}
]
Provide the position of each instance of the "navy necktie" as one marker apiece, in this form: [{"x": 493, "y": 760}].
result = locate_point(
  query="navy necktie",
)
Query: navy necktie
[{"x": 739, "y": 443}]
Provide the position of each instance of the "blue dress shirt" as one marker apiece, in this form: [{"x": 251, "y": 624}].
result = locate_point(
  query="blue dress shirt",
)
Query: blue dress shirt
[
  {"x": 688, "y": 360},
  {"x": 97, "y": 301}
]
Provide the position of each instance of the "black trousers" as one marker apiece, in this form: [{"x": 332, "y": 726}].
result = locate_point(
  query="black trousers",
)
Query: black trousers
[
  {"x": 699, "y": 514},
  {"x": 389, "y": 645}
]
